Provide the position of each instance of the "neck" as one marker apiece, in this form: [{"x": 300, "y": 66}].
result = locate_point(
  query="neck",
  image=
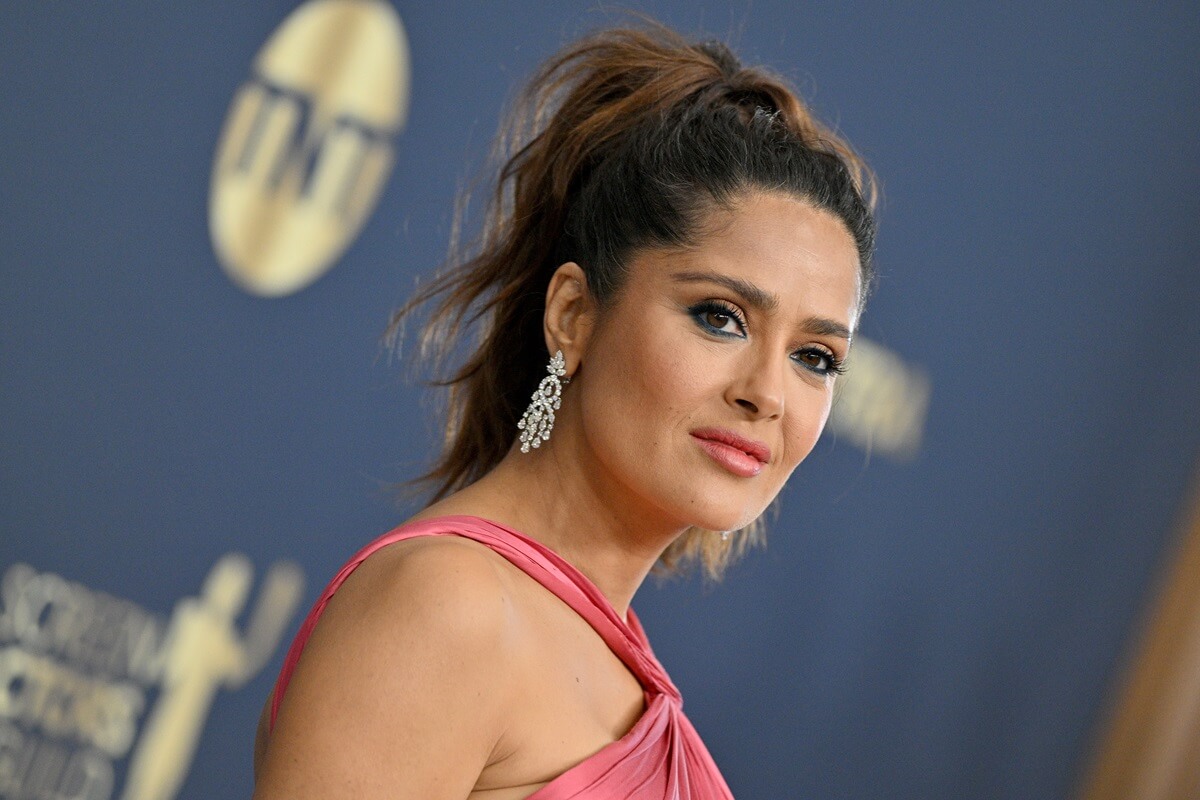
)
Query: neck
[{"x": 551, "y": 495}]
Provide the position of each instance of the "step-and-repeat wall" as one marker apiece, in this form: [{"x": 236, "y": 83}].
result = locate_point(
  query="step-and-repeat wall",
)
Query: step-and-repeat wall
[{"x": 207, "y": 212}]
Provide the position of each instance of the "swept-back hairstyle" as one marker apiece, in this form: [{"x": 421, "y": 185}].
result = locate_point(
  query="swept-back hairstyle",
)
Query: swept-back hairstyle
[{"x": 623, "y": 140}]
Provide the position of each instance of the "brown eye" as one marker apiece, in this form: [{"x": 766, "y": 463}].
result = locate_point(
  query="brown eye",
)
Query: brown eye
[
  {"x": 819, "y": 361},
  {"x": 717, "y": 318}
]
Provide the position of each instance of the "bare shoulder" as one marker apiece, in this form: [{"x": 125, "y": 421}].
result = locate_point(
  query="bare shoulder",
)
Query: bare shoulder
[
  {"x": 406, "y": 681},
  {"x": 439, "y": 597},
  {"x": 457, "y": 583}
]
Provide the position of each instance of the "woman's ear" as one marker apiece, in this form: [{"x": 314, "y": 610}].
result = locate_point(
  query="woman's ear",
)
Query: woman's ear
[{"x": 570, "y": 314}]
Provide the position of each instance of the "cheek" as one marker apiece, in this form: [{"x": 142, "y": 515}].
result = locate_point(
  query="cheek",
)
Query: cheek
[
  {"x": 807, "y": 414},
  {"x": 673, "y": 376},
  {"x": 646, "y": 382}
]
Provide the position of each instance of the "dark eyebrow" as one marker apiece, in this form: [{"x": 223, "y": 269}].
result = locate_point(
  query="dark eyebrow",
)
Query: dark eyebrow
[
  {"x": 762, "y": 300},
  {"x": 754, "y": 296},
  {"x": 827, "y": 327}
]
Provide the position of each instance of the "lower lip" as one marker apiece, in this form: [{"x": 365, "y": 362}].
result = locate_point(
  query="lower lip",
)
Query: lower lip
[{"x": 732, "y": 459}]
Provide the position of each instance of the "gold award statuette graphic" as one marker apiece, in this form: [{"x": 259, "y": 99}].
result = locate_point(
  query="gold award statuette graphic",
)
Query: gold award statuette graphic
[
  {"x": 76, "y": 666},
  {"x": 307, "y": 144}
]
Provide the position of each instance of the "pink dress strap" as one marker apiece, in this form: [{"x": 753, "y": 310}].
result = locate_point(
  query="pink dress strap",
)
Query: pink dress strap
[{"x": 662, "y": 756}]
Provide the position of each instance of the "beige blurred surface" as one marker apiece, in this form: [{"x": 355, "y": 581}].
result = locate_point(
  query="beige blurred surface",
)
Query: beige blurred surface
[{"x": 1149, "y": 745}]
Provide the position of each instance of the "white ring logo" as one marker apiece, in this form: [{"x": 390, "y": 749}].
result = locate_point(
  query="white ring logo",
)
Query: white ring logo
[{"x": 307, "y": 143}]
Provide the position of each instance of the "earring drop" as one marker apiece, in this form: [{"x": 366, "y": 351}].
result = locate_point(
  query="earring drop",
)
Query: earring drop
[{"x": 538, "y": 420}]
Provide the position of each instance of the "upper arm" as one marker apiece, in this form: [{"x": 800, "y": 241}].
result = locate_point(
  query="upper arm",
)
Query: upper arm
[
  {"x": 261, "y": 734},
  {"x": 403, "y": 687}
]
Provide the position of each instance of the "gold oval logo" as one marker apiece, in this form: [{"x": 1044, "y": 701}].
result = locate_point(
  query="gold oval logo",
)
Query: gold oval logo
[{"x": 307, "y": 144}]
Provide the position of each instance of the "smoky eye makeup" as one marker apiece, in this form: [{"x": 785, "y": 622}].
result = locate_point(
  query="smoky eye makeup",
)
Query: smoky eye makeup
[
  {"x": 826, "y": 361},
  {"x": 721, "y": 318},
  {"x": 718, "y": 317}
]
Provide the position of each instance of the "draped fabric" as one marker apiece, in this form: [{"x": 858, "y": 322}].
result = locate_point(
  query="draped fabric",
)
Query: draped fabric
[{"x": 660, "y": 757}]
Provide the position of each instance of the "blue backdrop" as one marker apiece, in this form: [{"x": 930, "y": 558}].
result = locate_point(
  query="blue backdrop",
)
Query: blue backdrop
[{"x": 938, "y": 626}]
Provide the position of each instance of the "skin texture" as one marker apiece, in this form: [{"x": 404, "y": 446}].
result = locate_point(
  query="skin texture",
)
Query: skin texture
[{"x": 441, "y": 671}]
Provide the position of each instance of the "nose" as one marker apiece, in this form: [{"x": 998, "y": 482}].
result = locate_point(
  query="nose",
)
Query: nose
[{"x": 758, "y": 389}]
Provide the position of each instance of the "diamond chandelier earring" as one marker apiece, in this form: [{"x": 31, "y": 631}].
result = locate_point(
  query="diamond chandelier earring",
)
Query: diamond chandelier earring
[{"x": 538, "y": 420}]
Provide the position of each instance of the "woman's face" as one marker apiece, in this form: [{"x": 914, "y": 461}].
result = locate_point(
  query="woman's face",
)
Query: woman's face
[{"x": 711, "y": 376}]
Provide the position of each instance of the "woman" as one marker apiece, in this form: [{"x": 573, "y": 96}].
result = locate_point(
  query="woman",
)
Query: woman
[{"x": 675, "y": 257}]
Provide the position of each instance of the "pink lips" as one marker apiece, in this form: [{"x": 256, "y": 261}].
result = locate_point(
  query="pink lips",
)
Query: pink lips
[{"x": 739, "y": 455}]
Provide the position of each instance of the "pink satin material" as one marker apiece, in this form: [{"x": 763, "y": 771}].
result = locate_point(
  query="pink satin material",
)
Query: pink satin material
[{"x": 661, "y": 757}]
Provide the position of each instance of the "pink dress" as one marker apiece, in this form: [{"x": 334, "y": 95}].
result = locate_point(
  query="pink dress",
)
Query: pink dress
[{"x": 660, "y": 758}]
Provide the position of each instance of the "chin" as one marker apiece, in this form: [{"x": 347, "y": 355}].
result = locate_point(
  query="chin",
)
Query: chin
[{"x": 720, "y": 517}]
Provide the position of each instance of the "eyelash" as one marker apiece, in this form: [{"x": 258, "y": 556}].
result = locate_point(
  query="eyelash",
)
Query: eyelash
[{"x": 699, "y": 311}]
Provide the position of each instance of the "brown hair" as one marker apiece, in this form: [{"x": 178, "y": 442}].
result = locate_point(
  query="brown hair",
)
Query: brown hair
[{"x": 623, "y": 140}]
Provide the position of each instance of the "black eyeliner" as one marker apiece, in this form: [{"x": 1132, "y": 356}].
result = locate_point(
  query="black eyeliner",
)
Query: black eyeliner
[{"x": 698, "y": 310}]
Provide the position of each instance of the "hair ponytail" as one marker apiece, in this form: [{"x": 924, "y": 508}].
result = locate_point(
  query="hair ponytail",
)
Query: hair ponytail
[{"x": 621, "y": 141}]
